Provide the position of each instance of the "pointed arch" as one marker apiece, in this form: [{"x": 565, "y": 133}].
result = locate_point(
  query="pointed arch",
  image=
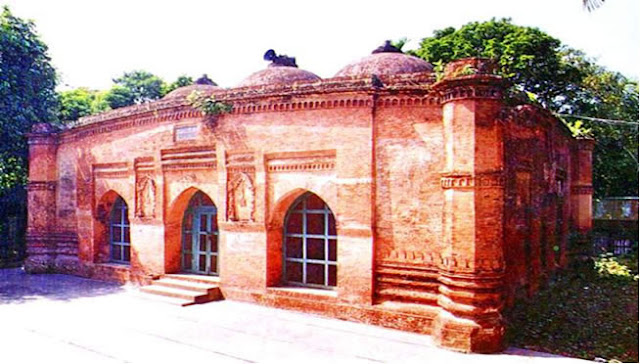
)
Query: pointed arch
[
  {"x": 302, "y": 242},
  {"x": 111, "y": 241},
  {"x": 119, "y": 233},
  {"x": 310, "y": 243},
  {"x": 175, "y": 226}
]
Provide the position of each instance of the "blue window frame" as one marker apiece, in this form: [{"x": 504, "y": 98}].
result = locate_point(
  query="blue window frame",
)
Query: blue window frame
[
  {"x": 200, "y": 237},
  {"x": 310, "y": 244},
  {"x": 119, "y": 239}
]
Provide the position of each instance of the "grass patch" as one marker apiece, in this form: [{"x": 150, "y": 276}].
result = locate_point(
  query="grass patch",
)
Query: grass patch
[{"x": 589, "y": 312}]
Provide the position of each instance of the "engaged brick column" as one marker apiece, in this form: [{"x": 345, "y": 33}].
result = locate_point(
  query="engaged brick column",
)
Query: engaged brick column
[
  {"x": 472, "y": 268},
  {"x": 581, "y": 194},
  {"x": 41, "y": 199}
]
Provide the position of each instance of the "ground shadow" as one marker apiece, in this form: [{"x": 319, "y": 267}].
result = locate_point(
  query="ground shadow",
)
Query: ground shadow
[{"x": 17, "y": 286}]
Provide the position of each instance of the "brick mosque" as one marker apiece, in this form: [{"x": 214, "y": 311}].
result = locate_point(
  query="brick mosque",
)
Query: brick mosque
[{"x": 387, "y": 194}]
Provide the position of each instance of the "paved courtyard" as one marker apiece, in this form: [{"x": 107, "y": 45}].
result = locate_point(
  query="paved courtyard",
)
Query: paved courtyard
[{"x": 58, "y": 318}]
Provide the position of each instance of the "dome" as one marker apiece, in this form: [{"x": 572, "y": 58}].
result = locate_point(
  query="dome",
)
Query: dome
[
  {"x": 385, "y": 63},
  {"x": 185, "y": 91},
  {"x": 203, "y": 84},
  {"x": 277, "y": 74}
]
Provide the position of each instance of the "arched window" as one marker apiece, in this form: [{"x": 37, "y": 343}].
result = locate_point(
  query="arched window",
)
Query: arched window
[
  {"x": 310, "y": 244},
  {"x": 200, "y": 253},
  {"x": 119, "y": 242}
]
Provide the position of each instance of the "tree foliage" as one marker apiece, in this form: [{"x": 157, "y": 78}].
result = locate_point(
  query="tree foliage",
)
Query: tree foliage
[
  {"x": 119, "y": 96},
  {"x": 80, "y": 102},
  {"x": 131, "y": 88},
  {"x": 530, "y": 58},
  {"x": 608, "y": 95},
  {"x": 135, "y": 87},
  {"x": 561, "y": 79},
  {"x": 182, "y": 81},
  {"x": 27, "y": 95}
]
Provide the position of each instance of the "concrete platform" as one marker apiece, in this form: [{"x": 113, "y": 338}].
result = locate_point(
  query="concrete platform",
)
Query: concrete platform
[{"x": 58, "y": 318}]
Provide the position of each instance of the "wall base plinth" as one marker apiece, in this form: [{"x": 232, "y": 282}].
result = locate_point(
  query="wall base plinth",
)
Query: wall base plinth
[
  {"x": 470, "y": 318},
  {"x": 66, "y": 264},
  {"x": 50, "y": 263},
  {"x": 39, "y": 264},
  {"x": 468, "y": 335},
  {"x": 49, "y": 252}
]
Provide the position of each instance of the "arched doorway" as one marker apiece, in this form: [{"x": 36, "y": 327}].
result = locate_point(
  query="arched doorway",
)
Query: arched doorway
[
  {"x": 200, "y": 254},
  {"x": 119, "y": 233},
  {"x": 310, "y": 244}
]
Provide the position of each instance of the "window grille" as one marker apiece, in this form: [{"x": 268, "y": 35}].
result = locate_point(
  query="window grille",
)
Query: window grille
[
  {"x": 120, "y": 243},
  {"x": 200, "y": 253},
  {"x": 310, "y": 244}
]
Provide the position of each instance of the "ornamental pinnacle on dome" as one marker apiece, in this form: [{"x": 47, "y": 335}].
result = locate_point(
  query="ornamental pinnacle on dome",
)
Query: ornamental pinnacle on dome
[
  {"x": 387, "y": 47},
  {"x": 279, "y": 60}
]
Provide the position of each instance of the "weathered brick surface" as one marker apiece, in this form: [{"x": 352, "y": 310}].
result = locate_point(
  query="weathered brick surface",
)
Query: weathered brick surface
[{"x": 447, "y": 202}]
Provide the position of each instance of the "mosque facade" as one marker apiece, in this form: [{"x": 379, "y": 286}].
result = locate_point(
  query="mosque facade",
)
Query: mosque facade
[{"x": 387, "y": 194}]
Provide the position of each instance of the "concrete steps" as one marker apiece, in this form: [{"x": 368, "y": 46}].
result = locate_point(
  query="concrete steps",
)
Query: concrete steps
[{"x": 185, "y": 289}]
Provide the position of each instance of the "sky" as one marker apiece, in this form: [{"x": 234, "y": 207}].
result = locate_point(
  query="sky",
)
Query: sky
[{"x": 92, "y": 42}]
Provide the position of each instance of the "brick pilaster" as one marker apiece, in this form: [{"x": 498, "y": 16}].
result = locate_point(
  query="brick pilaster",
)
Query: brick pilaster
[
  {"x": 582, "y": 194},
  {"x": 41, "y": 199},
  {"x": 471, "y": 275}
]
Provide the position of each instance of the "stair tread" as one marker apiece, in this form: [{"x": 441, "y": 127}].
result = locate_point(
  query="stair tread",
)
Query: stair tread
[
  {"x": 171, "y": 290},
  {"x": 186, "y": 284},
  {"x": 186, "y": 289},
  {"x": 194, "y": 278},
  {"x": 164, "y": 299}
]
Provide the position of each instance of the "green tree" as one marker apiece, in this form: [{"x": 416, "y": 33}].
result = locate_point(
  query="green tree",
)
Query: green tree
[
  {"x": 135, "y": 87},
  {"x": 530, "y": 58},
  {"x": 132, "y": 88},
  {"x": 119, "y": 96},
  {"x": 563, "y": 80},
  {"x": 74, "y": 104},
  {"x": 99, "y": 102},
  {"x": 609, "y": 100},
  {"x": 27, "y": 95},
  {"x": 182, "y": 81},
  {"x": 80, "y": 102}
]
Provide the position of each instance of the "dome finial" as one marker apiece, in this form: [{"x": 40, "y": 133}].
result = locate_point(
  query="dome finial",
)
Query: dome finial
[
  {"x": 386, "y": 48},
  {"x": 279, "y": 60},
  {"x": 204, "y": 80}
]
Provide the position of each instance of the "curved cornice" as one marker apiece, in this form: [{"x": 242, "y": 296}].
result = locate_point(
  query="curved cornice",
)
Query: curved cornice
[{"x": 343, "y": 92}]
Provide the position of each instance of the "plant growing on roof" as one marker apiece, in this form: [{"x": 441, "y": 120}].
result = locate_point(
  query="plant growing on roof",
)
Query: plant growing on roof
[
  {"x": 208, "y": 105},
  {"x": 438, "y": 69}
]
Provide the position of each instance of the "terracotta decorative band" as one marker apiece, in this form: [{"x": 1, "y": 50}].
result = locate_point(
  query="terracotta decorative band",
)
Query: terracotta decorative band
[
  {"x": 469, "y": 181},
  {"x": 111, "y": 174},
  {"x": 241, "y": 168},
  {"x": 192, "y": 165},
  {"x": 318, "y": 166},
  {"x": 319, "y": 161},
  {"x": 407, "y": 101},
  {"x": 300, "y": 105},
  {"x": 41, "y": 186},
  {"x": 471, "y": 92}
]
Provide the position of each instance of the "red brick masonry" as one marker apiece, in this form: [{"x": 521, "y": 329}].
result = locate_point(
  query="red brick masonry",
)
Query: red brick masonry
[{"x": 448, "y": 202}]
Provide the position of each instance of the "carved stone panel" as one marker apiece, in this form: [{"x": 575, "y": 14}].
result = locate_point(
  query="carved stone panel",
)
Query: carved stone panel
[
  {"x": 145, "y": 197},
  {"x": 240, "y": 198}
]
